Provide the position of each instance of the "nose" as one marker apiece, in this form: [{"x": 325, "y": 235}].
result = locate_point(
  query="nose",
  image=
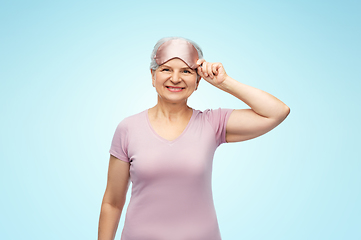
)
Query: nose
[{"x": 176, "y": 78}]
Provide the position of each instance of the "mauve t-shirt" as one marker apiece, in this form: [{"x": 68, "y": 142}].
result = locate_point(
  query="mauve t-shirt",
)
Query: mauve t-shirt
[{"x": 171, "y": 196}]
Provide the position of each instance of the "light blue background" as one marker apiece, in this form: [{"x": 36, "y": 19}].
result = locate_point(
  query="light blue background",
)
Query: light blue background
[{"x": 72, "y": 70}]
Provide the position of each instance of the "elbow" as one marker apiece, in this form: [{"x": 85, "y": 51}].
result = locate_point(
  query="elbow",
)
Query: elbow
[
  {"x": 281, "y": 114},
  {"x": 286, "y": 111}
]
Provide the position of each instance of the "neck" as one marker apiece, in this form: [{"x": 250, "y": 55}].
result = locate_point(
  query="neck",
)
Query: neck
[{"x": 171, "y": 110}]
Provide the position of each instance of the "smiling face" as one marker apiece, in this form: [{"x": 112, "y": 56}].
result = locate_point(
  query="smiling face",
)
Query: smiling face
[{"x": 174, "y": 81}]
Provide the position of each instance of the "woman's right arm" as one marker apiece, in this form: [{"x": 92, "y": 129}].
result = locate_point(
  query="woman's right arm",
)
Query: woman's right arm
[{"x": 114, "y": 198}]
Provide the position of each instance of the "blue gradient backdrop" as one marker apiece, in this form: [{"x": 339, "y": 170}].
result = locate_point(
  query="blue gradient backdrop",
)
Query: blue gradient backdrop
[{"x": 72, "y": 70}]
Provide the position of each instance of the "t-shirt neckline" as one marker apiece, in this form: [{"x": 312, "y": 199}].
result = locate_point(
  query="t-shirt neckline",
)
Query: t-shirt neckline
[{"x": 163, "y": 139}]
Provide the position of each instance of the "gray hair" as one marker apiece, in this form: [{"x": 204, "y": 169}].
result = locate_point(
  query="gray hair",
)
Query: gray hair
[{"x": 154, "y": 65}]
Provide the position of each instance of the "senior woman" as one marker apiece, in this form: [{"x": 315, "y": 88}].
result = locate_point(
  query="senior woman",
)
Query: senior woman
[{"x": 167, "y": 151}]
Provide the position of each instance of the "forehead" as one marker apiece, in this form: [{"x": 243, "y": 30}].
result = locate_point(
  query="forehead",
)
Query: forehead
[{"x": 175, "y": 62}]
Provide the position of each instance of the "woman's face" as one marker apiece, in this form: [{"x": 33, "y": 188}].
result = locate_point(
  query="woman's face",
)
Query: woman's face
[{"x": 174, "y": 81}]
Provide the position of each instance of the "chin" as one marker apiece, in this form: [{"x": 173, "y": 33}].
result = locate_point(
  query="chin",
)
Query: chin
[{"x": 173, "y": 99}]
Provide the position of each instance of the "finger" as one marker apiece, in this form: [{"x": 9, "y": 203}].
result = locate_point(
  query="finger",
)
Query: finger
[
  {"x": 215, "y": 68},
  {"x": 200, "y": 72},
  {"x": 221, "y": 69},
  {"x": 209, "y": 69},
  {"x": 204, "y": 68},
  {"x": 200, "y": 61}
]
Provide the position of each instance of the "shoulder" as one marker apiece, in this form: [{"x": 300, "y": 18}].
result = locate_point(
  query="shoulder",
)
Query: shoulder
[
  {"x": 214, "y": 117},
  {"x": 214, "y": 113},
  {"x": 132, "y": 120},
  {"x": 217, "y": 118}
]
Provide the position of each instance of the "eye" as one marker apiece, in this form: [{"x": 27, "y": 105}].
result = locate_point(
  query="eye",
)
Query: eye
[
  {"x": 165, "y": 69},
  {"x": 187, "y": 71}
]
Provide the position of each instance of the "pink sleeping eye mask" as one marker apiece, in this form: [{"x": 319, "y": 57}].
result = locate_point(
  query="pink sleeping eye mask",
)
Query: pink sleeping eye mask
[{"x": 177, "y": 48}]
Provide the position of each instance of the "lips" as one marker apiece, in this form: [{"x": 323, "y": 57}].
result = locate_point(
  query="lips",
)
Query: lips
[{"x": 174, "y": 89}]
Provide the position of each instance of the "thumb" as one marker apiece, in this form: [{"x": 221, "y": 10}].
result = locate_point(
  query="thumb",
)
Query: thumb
[{"x": 200, "y": 61}]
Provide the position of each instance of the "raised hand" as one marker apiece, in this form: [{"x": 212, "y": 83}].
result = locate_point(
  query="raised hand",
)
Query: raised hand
[{"x": 213, "y": 73}]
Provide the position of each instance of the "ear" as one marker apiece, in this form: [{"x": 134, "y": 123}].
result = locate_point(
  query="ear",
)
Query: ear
[{"x": 153, "y": 77}]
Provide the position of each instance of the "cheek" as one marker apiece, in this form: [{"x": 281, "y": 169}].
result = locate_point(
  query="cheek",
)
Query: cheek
[
  {"x": 156, "y": 78},
  {"x": 193, "y": 81}
]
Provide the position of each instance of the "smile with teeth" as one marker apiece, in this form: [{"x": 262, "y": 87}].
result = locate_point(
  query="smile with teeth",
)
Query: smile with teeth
[{"x": 174, "y": 89}]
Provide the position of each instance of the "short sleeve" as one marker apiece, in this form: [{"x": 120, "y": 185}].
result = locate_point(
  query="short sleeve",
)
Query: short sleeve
[
  {"x": 218, "y": 119},
  {"x": 119, "y": 145}
]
